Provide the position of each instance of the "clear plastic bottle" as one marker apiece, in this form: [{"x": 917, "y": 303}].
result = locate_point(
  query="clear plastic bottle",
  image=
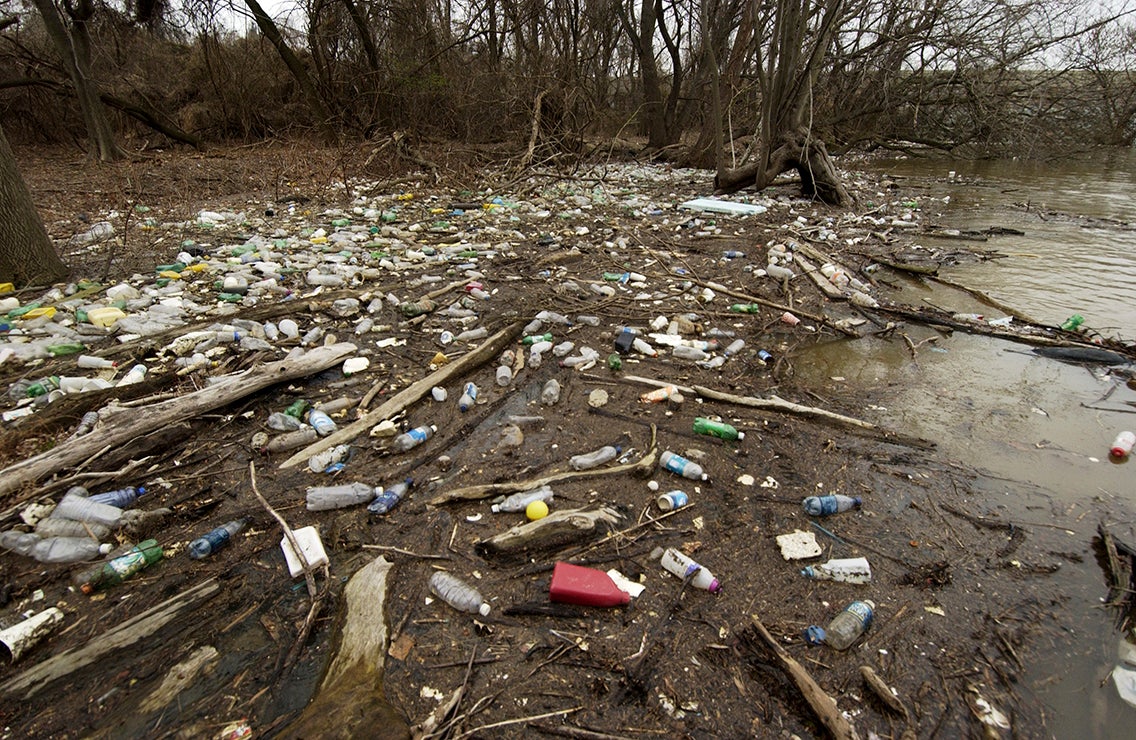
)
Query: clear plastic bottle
[
  {"x": 321, "y": 422},
  {"x": 719, "y": 429},
  {"x": 847, "y": 626},
  {"x": 324, "y": 498},
  {"x": 115, "y": 571},
  {"x": 504, "y": 375},
  {"x": 410, "y": 439},
  {"x": 457, "y": 593},
  {"x": 468, "y": 397},
  {"x": 683, "y": 352},
  {"x": 136, "y": 375},
  {"x": 681, "y": 466},
  {"x": 68, "y": 549},
  {"x": 550, "y": 394},
  {"x": 292, "y": 440},
  {"x": 845, "y": 570},
  {"x": 58, "y": 527},
  {"x": 595, "y": 458},
  {"x": 21, "y": 543},
  {"x": 678, "y": 563},
  {"x": 389, "y": 498},
  {"x": 471, "y": 335},
  {"x": 90, "y": 362},
  {"x": 831, "y": 504},
  {"x": 643, "y": 347},
  {"x": 215, "y": 539},
  {"x": 520, "y": 501},
  {"x": 734, "y": 347},
  {"x": 76, "y": 507},
  {"x": 123, "y": 498}
]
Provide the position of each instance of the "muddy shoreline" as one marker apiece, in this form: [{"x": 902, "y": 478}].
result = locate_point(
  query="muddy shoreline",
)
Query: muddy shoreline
[{"x": 964, "y": 597}]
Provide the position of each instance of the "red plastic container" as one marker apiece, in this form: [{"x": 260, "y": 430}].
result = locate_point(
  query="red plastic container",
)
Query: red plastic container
[{"x": 575, "y": 584}]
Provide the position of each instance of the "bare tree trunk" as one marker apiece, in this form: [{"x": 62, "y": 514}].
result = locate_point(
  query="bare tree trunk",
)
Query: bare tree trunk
[
  {"x": 27, "y": 256},
  {"x": 74, "y": 54},
  {"x": 296, "y": 67},
  {"x": 798, "y": 151}
]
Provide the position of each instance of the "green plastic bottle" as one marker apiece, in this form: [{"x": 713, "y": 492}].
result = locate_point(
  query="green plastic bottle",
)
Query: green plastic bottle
[
  {"x": 114, "y": 572},
  {"x": 1073, "y": 322},
  {"x": 534, "y": 338},
  {"x": 745, "y": 308},
  {"x": 718, "y": 429},
  {"x": 297, "y": 409},
  {"x": 68, "y": 348},
  {"x": 614, "y": 362}
]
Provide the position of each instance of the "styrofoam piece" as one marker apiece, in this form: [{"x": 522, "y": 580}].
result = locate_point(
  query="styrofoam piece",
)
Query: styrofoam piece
[
  {"x": 310, "y": 544},
  {"x": 798, "y": 545},
  {"x": 713, "y": 205},
  {"x": 625, "y": 584}
]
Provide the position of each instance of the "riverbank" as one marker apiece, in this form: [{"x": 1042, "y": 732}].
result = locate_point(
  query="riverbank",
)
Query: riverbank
[{"x": 964, "y": 595}]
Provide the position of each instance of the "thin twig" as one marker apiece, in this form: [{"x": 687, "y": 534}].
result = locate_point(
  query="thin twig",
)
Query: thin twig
[{"x": 517, "y": 721}]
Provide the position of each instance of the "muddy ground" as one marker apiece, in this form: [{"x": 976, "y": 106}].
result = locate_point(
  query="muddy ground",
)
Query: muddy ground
[{"x": 964, "y": 599}]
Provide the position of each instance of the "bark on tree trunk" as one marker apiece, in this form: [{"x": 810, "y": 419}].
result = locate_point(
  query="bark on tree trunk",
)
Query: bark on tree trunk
[
  {"x": 27, "y": 256},
  {"x": 797, "y": 151},
  {"x": 74, "y": 54}
]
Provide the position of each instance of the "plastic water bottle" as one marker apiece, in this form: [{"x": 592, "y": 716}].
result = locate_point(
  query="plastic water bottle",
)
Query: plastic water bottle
[
  {"x": 21, "y": 543},
  {"x": 116, "y": 571},
  {"x": 504, "y": 375},
  {"x": 845, "y": 570},
  {"x": 389, "y": 498},
  {"x": 68, "y": 549},
  {"x": 122, "y": 498},
  {"x": 215, "y": 539},
  {"x": 72, "y": 506},
  {"x": 411, "y": 439},
  {"x": 1122, "y": 445},
  {"x": 284, "y": 422},
  {"x": 321, "y": 422},
  {"x": 550, "y": 394},
  {"x": 324, "y": 498},
  {"x": 831, "y": 504},
  {"x": 718, "y": 429},
  {"x": 90, "y": 362},
  {"x": 734, "y": 347},
  {"x": 681, "y": 466},
  {"x": 678, "y": 563},
  {"x": 468, "y": 397},
  {"x": 847, "y": 626},
  {"x": 683, "y": 352},
  {"x": 594, "y": 459},
  {"x": 58, "y": 527},
  {"x": 457, "y": 593},
  {"x": 520, "y": 501}
]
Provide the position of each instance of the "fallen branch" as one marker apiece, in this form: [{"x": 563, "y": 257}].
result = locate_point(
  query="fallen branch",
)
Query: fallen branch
[
  {"x": 821, "y": 703},
  {"x": 645, "y": 464},
  {"x": 120, "y": 425},
  {"x": 557, "y": 529},
  {"x": 485, "y": 352},
  {"x": 122, "y": 637}
]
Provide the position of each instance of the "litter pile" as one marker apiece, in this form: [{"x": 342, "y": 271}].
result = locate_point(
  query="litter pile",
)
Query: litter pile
[{"x": 564, "y": 423}]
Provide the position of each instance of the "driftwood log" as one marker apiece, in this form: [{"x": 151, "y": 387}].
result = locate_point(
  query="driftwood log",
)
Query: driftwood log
[
  {"x": 349, "y": 702},
  {"x": 122, "y": 637},
  {"x": 492, "y": 347},
  {"x": 119, "y": 425},
  {"x": 555, "y": 530}
]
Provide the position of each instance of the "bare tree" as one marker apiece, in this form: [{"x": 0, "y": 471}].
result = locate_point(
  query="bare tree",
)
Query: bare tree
[{"x": 27, "y": 256}]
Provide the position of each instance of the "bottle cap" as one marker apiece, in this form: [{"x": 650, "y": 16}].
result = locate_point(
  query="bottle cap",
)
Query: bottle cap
[
  {"x": 105, "y": 548},
  {"x": 483, "y": 610},
  {"x": 714, "y": 587},
  {"x": 741, "y": 435},
  {"x": 495, "y": 508}
]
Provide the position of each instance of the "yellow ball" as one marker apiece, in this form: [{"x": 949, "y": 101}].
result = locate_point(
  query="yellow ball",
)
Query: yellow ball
[{"x": 536, "y": 510}]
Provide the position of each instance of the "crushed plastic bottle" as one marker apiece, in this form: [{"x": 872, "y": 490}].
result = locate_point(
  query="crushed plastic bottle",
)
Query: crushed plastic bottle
[
  {"x": 122, "y": 498},
  {"x": 321, "y": 422},
  {"x": 389, "y": 498},
  {"x": 321, "y": 461},
  {"x": 845, "y": 570},
  {"x": 79, "y": 508},
  {"x": 468, "y": 397},
  {"x": 325, "y": 498},
  {"x": 832, "y": 504},
  {"x": 550, "y": 394},
  {"x": 457, "y": 593},
  {"x": 594, "y": 459}
]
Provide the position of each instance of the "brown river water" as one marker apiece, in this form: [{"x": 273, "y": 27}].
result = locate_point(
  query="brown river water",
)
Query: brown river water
[{"x": 1039, "y": 429}]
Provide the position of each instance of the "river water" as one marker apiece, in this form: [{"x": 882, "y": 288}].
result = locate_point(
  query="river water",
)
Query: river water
[{"x": 1038, "y": 429}]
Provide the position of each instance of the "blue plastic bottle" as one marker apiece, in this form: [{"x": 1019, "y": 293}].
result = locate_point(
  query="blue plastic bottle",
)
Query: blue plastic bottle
[
  {"x": 122, "y": 498},
  {"x": 215, "y": 539},
  {"x": 390, "y": 497}
]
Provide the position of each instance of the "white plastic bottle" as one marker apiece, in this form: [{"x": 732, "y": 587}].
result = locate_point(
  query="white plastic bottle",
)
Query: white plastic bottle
[
  {"x": 321, "y": 461},
  {"x": 56, "y": 527},
  {"x": 1122, "y": 445},
  {"x": 845, "y": 570},
  {"x": 677, "y": 563},
  {"x": 411, "y": 439},
  {"x": 681, "y": 466},
  {"x": 550, "y": 394},
  {"x": 457, "y": 593},
  {"x": 520, "y": 501},
  {"x": 324, "y": 498},
  {"x": 594, "y": 459},
  {"x": 321, "y": 422},
  {"x": 847, "y": 626},
  {"x": 504, "y": 375},
  {"x": 468, "y": 397}
]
